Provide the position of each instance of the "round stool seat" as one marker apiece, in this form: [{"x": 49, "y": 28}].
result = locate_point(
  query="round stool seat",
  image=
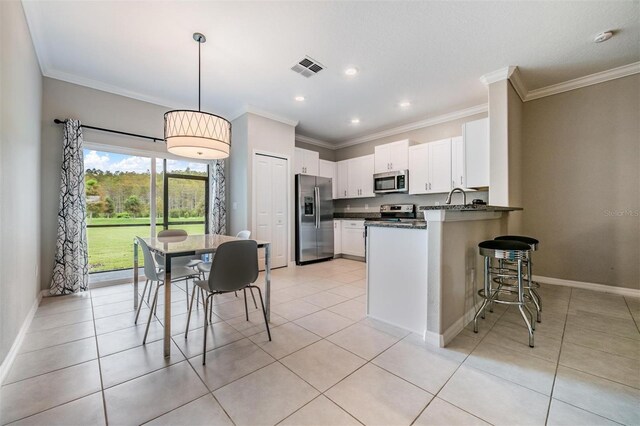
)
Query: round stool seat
[
  {"x": 533, "y": 243},
  {"x": 504, "y": 249}
]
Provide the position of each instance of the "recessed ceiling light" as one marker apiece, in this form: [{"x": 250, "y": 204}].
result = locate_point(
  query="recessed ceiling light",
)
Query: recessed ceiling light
[
  {"x": 351, "y": 71},
  {"x": 355, "y": 121},
  {"x": 603, "y": 36},
  {"x": 404, "y": 104},
  {"x": 299, "y": 98}
]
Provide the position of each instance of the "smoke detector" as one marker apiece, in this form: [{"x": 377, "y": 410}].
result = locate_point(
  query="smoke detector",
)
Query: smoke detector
[
  {"x": 603, "y": 36},
  {"x": 307, "y": 67}
]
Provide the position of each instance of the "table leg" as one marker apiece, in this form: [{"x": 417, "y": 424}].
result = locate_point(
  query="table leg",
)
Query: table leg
[
  {"x": 135, "y": 274},
  {"x": 167, "y": 305},
  {"x": 267, "y": 275}
]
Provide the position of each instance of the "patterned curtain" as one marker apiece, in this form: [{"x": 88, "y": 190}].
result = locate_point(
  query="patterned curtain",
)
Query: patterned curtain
[
  {"x": 71, "y": 273},
  {"x": 217, "y": 198}
]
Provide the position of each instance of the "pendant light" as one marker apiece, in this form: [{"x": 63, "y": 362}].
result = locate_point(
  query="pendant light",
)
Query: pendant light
[{"x": 197, "y": 134}]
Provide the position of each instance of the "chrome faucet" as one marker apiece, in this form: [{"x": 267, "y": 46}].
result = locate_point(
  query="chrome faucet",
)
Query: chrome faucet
[{"x": 464, "y": 195}]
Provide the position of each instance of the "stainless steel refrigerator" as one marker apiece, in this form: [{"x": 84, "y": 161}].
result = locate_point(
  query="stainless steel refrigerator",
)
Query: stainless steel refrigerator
[{"x": 314, "y": 219}]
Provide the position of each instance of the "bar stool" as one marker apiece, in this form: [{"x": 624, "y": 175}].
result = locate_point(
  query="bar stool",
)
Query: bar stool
[
  {"x": 530, "y": 284},
  {"x": 512, "y": 251}
]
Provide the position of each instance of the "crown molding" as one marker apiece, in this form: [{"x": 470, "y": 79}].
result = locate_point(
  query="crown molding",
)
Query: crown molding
[
  {"x": 478, "y": 109},
  {"x": 314, "y": 141},
  {"x": 109, "y": 88},
  {"x": 27, "y": 10},
  {"x": 250, "y": 109},
  {"x": 498, "y": 75},
  {"x": 518, "y": 84},
  {"x": 588, "y": 80}
]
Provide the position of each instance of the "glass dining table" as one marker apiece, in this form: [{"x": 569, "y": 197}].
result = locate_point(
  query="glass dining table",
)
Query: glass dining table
[{"x": 191, "y": 245}]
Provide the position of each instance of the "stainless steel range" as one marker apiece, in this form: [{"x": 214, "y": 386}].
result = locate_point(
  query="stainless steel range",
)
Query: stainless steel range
[{"x": 397, "y": 213}]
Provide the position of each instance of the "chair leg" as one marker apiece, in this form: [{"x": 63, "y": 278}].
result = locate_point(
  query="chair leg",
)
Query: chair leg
[
  {"x": 193, "y": 293},
  {"x": 264, "y": 311},
  {"x": 254, "y": 298},
  {"x": 210, "y": 309},
  {"x": 204, "y": 346},
  {"x": 522, "y": 304},
  {"x": 155, "y": 301},
  {"x": 146, "y": 283},
  {"x": 487, "y": 265},
  {"x": 246, "y": 310}
]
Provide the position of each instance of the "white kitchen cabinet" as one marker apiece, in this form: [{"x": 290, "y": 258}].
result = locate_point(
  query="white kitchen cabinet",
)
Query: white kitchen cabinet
[
  {"x": 355, "y": 177},
  {"x": 353, "y": 240},
  {"x": 360, "y": 177},
  {"x": 476, "y": 145},
  {"x": 337, "y": 237},
  {"x": 342, "y": 173},
  {"x": 328, "y": 169},
  {"x": 430, "y": 167},
  {"x": 392, "y": 156},
  {"x": 440, "y": 166},
  {"x": 457, "y": 162},
  {"x": 306, "y": 162}
]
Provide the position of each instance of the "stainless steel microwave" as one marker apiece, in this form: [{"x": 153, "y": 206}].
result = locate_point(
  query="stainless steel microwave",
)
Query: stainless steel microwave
[{"x": 397, "y": 181}]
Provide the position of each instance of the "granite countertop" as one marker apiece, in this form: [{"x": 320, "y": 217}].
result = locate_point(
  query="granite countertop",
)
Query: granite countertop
[
  {"x": 410, "y": 224},
  {"x": 470, "y": 208}
]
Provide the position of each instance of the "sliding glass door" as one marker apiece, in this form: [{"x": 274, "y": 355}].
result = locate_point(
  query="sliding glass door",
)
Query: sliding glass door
[{"x": 129, "y": 196}]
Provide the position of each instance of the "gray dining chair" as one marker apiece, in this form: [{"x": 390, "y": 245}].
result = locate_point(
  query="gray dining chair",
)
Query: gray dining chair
[
  {"x": 154, "y": 275},
  {"x": 205, "y": 267},
  {"x": 186, "y": 261},
  {"x": 234, "y": 268}
]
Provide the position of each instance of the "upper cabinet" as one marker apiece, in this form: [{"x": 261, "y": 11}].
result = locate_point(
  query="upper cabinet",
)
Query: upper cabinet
[
  {"x": 458, "y": 170},
  {"x": 342, "y": 173},
  {"x": 328, "y": 169},
  {"x": 430, "y": 167},
  {"x": 476, "y": 147},
  {"x": 306, "y": 162},
  {"x": 392, "y": 156},
  {"x": 355, "y": 177}
]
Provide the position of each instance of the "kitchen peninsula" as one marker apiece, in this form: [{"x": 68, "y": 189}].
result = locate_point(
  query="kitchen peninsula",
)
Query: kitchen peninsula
[{"x": 422, "y": 275}]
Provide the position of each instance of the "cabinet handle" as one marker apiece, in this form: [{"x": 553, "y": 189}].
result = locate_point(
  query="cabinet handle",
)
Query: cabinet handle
[
  {"x": 429, "y": 185},
  {"x": 426, "y": 186},
  {"x": 391, "y": 166},
  {"x": 461, "y": 182},
  {"x": 453, "y": 183}
]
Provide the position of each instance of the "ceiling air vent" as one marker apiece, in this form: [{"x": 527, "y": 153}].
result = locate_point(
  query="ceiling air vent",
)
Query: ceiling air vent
[{"x": 307, "y": 67}]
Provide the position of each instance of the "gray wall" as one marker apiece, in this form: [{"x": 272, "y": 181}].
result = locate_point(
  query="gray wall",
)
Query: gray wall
[
  {"x": 20, "y": 115},
  {"x": 581, "y": 182},
  {"x": 325, "y": 153},
  {"x": 427, "y": 134},
  {"x": 95, "y": 108}
]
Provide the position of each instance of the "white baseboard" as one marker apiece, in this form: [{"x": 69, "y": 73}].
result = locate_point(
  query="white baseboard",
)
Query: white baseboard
[
  {"x": 17, "y": 342},
  {"x": 621, "y": 291},
  {"x": 455, "y": 329}
]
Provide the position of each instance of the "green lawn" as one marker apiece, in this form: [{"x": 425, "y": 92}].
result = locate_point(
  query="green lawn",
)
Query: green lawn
[
  {"x": 137, "y": 220},
  {"x": 112, "y": 248}
]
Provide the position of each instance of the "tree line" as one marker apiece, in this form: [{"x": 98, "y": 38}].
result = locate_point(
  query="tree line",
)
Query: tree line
[{"x": 127, "y": 194}]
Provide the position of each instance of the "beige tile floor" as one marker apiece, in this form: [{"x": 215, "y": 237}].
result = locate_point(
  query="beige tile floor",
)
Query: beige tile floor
[{"x": 83, "y": 362}]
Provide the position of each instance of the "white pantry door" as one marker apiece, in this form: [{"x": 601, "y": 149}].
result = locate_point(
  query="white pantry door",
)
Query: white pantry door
[{"x": 271, "y": 206}]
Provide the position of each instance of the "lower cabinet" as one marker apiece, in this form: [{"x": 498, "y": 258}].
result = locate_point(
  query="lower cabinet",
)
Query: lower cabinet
[
  {"x": 337, "y": 237},
  {"x": 353, "y": 241}
]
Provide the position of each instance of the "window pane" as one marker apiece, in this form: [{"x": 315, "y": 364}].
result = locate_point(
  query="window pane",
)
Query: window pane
[
  {"x": 186, "y": 200},
  {"x": 183, "y": 167},
  {"x": 192, "y": 228},
  {"x": 117, "y": 189},
  {"x": 111, "y": 248},
  {"x": 159, "y": 193}
]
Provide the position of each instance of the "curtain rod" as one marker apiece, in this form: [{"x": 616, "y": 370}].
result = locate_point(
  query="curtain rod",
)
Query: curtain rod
[{"x": 135, "y": 135}]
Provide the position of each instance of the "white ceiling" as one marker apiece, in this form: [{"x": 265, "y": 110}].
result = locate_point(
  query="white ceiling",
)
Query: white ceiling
[{"x": 430, "y": 53}]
